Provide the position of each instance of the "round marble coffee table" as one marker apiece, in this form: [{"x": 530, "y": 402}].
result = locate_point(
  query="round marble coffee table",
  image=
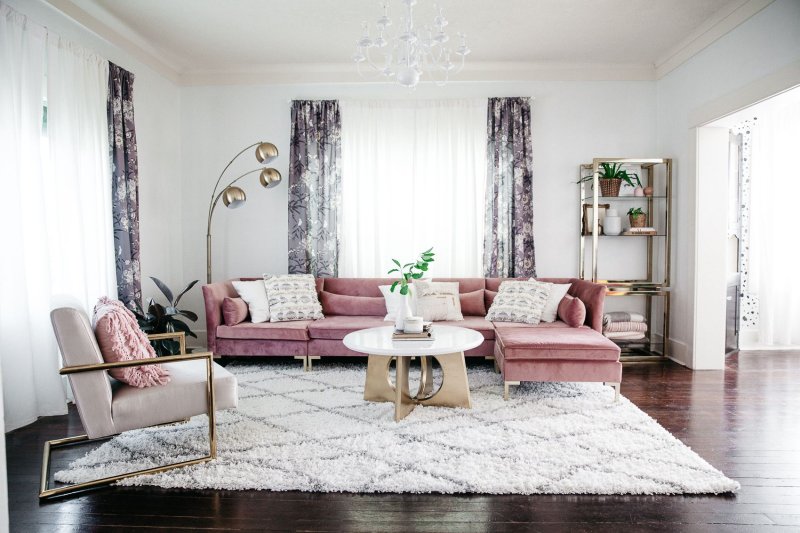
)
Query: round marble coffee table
[{"x": 448, "y": 347}]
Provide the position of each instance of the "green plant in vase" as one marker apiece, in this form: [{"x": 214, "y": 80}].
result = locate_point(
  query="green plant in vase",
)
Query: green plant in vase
[
  {"x": 611, "y": 176},
  {"x": 164, "y": 318},
  {"x": 408, "y": 272}
]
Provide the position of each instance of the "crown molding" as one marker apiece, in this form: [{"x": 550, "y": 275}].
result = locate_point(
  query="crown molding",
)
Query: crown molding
[
  {"x": 347, "y": 73},
  {"x": 720, "y": 24},
  {"x": 119, "y": 35}
]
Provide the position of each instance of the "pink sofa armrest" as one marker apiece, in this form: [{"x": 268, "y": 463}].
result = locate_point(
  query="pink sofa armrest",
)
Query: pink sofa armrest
[
  {"x": 593, "y": 296},
  {"x": 213, "y": 295}
]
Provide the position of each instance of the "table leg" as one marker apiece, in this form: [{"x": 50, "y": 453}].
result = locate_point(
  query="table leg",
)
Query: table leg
[
  {"x": 454, "y": 391},
  {"x": 403, "y": 403},
  {"x": 377, "y": 387},
  {"x": 425, "y": 378}
]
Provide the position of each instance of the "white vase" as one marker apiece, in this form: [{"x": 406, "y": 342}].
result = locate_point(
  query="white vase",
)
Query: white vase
[
  {"x": 612, "y": 223},
  {"x": 403, "y": 311}
]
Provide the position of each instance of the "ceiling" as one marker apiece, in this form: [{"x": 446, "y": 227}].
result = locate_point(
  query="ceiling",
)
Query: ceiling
[{"x": 214, "y": 36}]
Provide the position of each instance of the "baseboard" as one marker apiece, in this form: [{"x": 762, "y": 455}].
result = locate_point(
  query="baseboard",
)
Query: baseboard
[{"x": 680, "y": 352}]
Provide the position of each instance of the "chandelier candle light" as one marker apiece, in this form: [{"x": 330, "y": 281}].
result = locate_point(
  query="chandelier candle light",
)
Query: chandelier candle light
[
  {"x": 412, "y": 52},
  {"x": 234, "y": 197}
]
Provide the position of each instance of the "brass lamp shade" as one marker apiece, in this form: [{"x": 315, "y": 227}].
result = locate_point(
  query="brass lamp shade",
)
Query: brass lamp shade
[
  {"x": 233, "y": 197},
  {"x": 266, "y": 152},
  {"x": 269, "y": 178}
]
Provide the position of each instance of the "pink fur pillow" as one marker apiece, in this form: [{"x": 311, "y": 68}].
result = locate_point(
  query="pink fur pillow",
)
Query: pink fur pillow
[
  {"x": 572, "y": 311},
  {"x": 234, "y": 311},
  {"x": 121, "y": 339}
]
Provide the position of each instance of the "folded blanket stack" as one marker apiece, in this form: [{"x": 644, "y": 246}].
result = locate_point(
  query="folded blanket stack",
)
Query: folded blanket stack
[{"x": 620, "y": 325}]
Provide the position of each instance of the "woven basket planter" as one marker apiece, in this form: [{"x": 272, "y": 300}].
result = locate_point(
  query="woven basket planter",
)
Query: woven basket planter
[
  {"x": 609, "y": 187},
  {"x": 638, "y": 221}
]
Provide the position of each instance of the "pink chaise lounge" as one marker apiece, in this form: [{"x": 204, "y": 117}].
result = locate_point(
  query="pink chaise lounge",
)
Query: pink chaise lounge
[{"x": 545, "y": 352}]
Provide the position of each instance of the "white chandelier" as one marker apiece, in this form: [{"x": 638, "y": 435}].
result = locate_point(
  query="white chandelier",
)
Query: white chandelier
[{"x": 412, "y": 52}]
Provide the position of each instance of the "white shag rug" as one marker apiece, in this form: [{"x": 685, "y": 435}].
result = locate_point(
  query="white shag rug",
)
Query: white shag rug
[{"x": 314, "y": 432}]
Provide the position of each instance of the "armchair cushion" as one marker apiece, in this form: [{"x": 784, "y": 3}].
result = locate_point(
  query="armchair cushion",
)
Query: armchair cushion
[
  {"x": 183, "y": 397},
  {"x": 121, "y": 339}
]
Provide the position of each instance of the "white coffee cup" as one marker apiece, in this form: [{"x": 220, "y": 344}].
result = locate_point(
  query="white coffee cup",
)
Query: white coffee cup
[{"x": 413, "y": 324}]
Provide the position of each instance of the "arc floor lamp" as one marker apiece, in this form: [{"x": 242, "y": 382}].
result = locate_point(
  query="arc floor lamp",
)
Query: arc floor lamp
[{"x": 234, "y": 197}]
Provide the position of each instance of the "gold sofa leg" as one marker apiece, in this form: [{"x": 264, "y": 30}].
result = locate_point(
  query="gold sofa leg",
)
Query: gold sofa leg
[
  {"x": 616, "y": 387},
  {"x": 312, "y": 358},
  {"x": 304, "y": 359},
  {"x": 506, "y": 384}
]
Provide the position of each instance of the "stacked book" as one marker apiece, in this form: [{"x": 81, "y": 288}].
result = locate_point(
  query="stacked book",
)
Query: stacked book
[
  {"x": 425, "y": 335},
  {"x": 641, "y": 231}
]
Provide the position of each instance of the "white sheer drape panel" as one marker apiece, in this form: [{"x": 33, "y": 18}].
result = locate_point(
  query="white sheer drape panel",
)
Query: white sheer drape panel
[
  {"x": 413, "y": 176},
  {"x": 55, "y": 223},
  {"x": 774, "y": 246}
]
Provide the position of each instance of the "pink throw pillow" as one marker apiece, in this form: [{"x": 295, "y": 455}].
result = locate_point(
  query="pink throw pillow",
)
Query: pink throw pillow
[
  {"x": 572, "y": 311},
  {"x": 472, "y": 303},
  {"x": 234, "y": 311},
  {"x": 121, "y": 339},
  {"x": 490, "y": 298}
]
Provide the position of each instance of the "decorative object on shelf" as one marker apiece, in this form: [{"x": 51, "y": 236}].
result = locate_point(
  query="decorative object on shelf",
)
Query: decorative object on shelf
[
  {"x": 164, "y": 318},
  {"x": 638, "y": 191},
  {"x": 637, "y": 217},
  {"x": 613, "y": 223},
  {"x": 407, "y": 55},
  {"x": 588, "y": 217},
  {"x": 408, "y": 272},
  {"x": 641, "y": 231},
  {"x": 648, "y": 191},
  {"x": 234, "y": 197},
  {"x": 611, "y": 176}
]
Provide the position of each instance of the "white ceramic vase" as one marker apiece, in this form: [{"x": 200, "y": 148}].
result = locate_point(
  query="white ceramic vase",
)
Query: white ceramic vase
[
  {"x": 403, "y": 311},
  {"x": 612, "y": 223}
]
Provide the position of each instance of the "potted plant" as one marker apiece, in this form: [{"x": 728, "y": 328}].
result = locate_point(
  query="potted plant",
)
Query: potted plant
[
  {"x": 611, "y": 176},
  {"x": 408, "y": 272},
  {"x": 637, "y": 217},
  {"x": 164, "y": 318}
]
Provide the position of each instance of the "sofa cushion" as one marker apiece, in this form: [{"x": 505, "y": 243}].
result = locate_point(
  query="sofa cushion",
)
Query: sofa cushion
[
  {"x": 234, "y": 311},
  {"x": 572, "y": 311},
  {"x": 556, "y": 343},
  {"x": 518, "y": 325},
  {"x": 472, "y": 303},
  {"x": 296, "y": 330},
  {"x": 336, "y": 327},
  {"x": 478, "y": 323},
  {"x": 346, "y": 305},
  {"x": 355, "y": 286}
]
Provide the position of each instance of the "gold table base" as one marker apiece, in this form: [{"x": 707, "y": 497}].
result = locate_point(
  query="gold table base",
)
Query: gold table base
[{"x": 454, "y": 391}]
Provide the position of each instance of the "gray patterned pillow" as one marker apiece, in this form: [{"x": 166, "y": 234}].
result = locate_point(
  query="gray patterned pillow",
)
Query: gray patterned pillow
[
  {"x": 292, "y": 297},
  {"x": 519, "y": 301}
]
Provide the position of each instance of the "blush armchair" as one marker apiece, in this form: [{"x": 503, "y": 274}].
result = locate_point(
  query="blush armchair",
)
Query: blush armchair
[{"x": 107, "y": 407}]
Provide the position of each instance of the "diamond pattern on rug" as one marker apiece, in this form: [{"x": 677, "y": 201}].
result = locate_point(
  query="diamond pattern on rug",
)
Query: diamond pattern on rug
[{"x": 314, "y": 432}]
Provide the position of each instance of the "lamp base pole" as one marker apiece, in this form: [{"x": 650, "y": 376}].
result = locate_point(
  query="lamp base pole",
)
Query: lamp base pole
[{"x": 208, "y": 258}]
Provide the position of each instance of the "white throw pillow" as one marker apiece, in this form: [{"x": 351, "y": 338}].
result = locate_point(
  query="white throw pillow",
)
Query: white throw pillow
[
  {"x": 437, "y": 300},
  {"x": 254, "y": 293},
  {"x": 557, "y": 293},
  {"x": 394, "y": 299},
  {"x": 519, "y": 301},
  {"x": 293, "y": 297}
]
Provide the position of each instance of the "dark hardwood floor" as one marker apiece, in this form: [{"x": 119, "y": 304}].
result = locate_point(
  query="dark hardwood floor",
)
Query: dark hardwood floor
[{"x": 744, "y": 420}]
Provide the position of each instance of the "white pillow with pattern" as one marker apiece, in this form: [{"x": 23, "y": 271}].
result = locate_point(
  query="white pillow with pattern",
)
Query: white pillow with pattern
[
  {"x": 437, "y": 300},
  {"x": 292, "y": 297},
  {"x": 520, "y": 301}
]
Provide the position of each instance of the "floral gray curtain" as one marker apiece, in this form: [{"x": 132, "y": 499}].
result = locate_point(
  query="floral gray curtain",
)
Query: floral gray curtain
[
  {"x": 508, "y": 238},
  {"x": 315, "y": 187},
  {"x": 124, "y": 184}
]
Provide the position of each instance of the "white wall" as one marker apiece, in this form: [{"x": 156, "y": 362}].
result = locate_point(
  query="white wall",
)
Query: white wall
[
  {"x": 570, "y": 126},
  {"x": 756, "y": 49},
  {"x": 157, "y": 110}
]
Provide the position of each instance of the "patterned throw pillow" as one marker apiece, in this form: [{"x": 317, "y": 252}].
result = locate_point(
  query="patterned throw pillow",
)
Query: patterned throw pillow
[
  {"x": 437, "y": 300},
  {"x": 519, "y": 301},
  {"x": 292, "y": 297}
]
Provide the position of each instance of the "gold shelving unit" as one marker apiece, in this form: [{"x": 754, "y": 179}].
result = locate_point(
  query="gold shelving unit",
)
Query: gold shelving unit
[{"x": 654, "y": 285}]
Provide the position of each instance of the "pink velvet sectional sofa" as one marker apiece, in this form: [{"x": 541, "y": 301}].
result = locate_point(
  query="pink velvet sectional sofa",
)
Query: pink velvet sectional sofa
[{"x": 544, "y": 352}]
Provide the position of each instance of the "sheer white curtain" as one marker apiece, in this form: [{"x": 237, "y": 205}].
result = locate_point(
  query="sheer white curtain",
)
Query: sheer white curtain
[
  {"x": 774, "y": 245},
  {"x": 413, "y": 176},
  {"x": 56, "y": 220}
]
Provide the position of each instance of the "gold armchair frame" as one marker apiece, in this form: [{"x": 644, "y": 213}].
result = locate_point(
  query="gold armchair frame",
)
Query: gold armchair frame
[{"x": 49, "y": 446}]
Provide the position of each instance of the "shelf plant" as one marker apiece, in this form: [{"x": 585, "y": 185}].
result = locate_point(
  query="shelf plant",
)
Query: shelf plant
[
  {"x": 637, "y": 217},
  {"x": 611, "y": 176}
]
